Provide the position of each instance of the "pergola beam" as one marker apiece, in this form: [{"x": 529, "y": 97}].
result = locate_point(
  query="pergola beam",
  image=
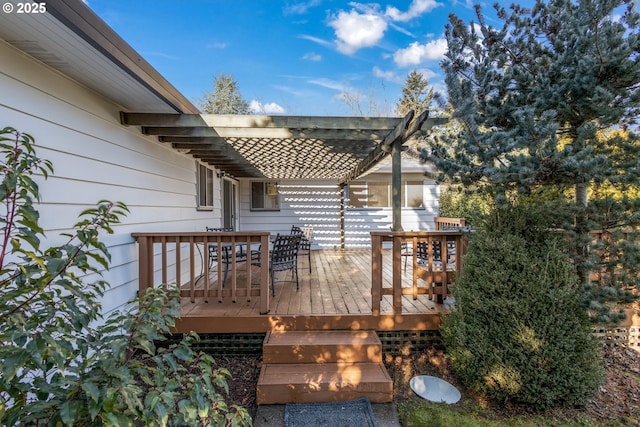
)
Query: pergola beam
[
  {"x": 210, "y": 148},
  {"x": 251, "y": 121},
  {"x": 401, "y": 132},
  {"x": 265, "y": 133},
  {"x": 193, "y": 139}
]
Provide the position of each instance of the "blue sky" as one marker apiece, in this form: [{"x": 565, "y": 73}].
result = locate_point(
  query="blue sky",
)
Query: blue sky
[{"x": 307, "y": 57}]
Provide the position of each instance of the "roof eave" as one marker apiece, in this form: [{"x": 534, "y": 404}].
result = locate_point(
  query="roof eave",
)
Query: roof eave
[{"x": 78, "y": 17}]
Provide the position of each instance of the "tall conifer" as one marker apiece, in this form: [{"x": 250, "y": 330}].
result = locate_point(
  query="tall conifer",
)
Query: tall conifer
[
  {"x": 534, "y": 97},
  {"x": 225, "y": 97}
]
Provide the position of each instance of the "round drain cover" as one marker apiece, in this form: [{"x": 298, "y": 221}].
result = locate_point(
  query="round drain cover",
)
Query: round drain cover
[{"x": 434, "y": 389}]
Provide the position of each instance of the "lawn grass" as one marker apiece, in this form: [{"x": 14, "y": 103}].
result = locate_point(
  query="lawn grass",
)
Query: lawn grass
[{"x": 428, "y": 414}]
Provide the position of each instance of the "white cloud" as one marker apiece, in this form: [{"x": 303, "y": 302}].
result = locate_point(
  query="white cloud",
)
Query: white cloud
[
  {"x": 300, "y": 8},
  {"x": 404, "y": 31},
  {"x": 271, "y": 108},
  {"x": 317, "y": 40},
  {"x": 328, "y": 83},
  {"x": 418, "y": 53},
  {"x": 294, "y": 91},
  {"x": 440, "y": 88},
  {"x": 312, "y": 56},
  {"x": 355, "y": 31},
  {"x": 427, "y": 73},
  {"x": 387, "y": 75},
  {"x": 366, "y": 24},
  {"x": 417, "y": 8},
  {"x": 467, "y": 3}
]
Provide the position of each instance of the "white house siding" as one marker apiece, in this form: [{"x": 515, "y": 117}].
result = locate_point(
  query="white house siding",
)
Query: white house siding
[
  {"x": 94, "y": 158},
  {"x": 360, "y": 222},
  {"x": 317, "y": 204},
  {"x": 302, "y": 203}
]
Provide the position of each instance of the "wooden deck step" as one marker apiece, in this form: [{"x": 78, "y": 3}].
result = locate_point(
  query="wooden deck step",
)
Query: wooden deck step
[
  {"x": 322, "y": 347},
  {"x": 326, "y": 382},
  {"x": 323, "y": 366}
]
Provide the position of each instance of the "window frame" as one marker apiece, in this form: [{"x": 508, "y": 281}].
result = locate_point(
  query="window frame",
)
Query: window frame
[
  {"x": 265, "y": 194},
  {"x": 363, "y": 188},
  {"x": 205, "y": 187}
]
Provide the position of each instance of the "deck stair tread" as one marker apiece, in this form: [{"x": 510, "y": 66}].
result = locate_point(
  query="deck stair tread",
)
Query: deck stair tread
[
  {"x": 305, "y": 382},
  {"x": 323, "y": 366},
  {"x": 322, "y": 347}
]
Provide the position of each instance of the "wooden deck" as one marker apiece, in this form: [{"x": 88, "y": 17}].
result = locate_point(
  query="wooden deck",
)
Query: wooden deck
[{"x": 335, "y": 295}]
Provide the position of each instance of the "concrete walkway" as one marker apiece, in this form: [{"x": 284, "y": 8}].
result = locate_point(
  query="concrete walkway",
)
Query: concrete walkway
[{"x": 273, "y": 415}]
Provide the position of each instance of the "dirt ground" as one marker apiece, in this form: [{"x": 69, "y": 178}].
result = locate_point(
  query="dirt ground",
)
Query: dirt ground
[{"x": 619, "y": 396}]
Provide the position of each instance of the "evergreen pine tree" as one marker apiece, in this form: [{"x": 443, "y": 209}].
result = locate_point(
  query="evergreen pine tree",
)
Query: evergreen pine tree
[
  {"x": 534, "y": 97},
  {"x": 416, "y": 94},
  {"x": 225, "y": 97}
]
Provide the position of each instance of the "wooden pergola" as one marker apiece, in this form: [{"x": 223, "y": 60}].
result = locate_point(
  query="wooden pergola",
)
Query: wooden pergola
[{"x": 289, "y": 147}]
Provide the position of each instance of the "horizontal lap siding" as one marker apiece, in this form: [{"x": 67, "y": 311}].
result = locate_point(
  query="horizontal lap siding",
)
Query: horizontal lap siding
[
  {"x": 94, "y": 158},
  {"x": 303, "y": 203},
  {"x": 316, "y": 204},
  {"x": 360, "y": 222}
]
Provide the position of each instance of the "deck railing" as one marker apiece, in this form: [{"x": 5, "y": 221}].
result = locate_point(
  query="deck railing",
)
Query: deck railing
[
  {"x": 183, "y": 258},
  {"x": 439, "y": 270},
  {"x": 445, "y": 223}
]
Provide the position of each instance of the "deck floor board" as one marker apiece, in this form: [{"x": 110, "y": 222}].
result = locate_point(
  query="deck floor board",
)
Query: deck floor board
[{"x": 336, "y": 292}]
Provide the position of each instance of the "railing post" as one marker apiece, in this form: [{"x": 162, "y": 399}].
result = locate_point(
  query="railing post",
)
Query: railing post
[
  {"x": 192, "y": 274},
  {"x": 376, "y": 273},
  {"x": 145, "y": 264},
  {"x": 264, "y": 274},
  {"x": 248, "y": 255},
  {"x": 205, "y": 267},
  {"x": 178, "y": 266},
  {"x": 397, "y": 273},
  {"x": 163, "y": 254}
]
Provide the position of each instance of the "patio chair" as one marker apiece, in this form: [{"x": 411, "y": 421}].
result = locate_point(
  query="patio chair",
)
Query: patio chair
[
  {"x": 283, "y": 257},
  {"x": 306, "y": 236},
  {"x": 406, "y": 250},
  {"x": 224, "y": 253},
  {"x": 422, "y": 253},
  {"x": 435, "y": 273}
]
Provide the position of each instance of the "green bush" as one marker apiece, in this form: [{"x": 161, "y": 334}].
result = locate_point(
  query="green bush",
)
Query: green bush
[
  {"x": 61, "y": 363},
  {"x": 470, "y": 203},
  {"x": 520, "y": 329}
]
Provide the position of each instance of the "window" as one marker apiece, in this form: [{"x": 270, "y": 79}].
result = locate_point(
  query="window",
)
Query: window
[
  {"x": 205, "y": 187},
  {"x": 264, "y": 196},
  {"x": 412, "y": 194},
  {"x": 377, "y": 194},
  {"x": 358, "y": 195}
]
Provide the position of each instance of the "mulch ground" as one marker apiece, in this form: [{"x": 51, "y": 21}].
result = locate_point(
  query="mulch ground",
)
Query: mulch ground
[{"x": 618, "y": 398}]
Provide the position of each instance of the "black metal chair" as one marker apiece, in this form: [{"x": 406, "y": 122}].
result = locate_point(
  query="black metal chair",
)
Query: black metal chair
[
  {"x": 306, "y": 236},
  {"x": 406, "y": 250},
  {"x": 283, "y": 257},
  {"x": 422, "y": 252},
  {"x": 224, "y": 253},
  {"x": 438, "y": 272}
]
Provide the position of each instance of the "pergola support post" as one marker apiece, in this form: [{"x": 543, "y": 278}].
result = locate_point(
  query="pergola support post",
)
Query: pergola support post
[
  {"x": 343, "y": 190},
  {"x": 396, "y": 186}
]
